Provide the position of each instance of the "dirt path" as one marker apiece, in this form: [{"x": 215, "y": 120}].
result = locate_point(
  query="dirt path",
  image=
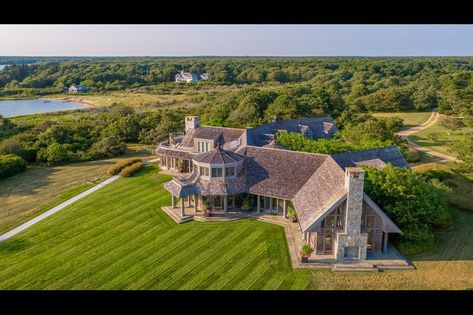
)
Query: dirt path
[{"x": 433, "y": 119}]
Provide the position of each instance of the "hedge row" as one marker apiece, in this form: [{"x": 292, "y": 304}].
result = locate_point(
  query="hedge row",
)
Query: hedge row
[
  {"x": 132, "y": 169},
  {"x": 119, "y": 166},
  {"x": 11, "y": 164}
]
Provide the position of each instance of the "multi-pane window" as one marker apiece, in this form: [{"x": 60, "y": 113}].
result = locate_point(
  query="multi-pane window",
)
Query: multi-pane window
[
  {"x": 216, "y": 172},
  {"x": 204, "y": 171},
  {"x": 203, "y": 146},
  {"x": 334, "y": 220},
  {"x": 229, "y": 171}
]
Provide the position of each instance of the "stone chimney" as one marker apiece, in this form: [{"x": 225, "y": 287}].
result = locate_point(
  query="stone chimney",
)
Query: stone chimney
[
  {"x": 352, "y": 244},
  {"x": 192, "y": 122},
  {"x": 354, "y": 179}
]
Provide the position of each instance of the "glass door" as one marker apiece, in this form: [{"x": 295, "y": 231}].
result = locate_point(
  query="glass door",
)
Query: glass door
[{"x": 218, "y": 202}]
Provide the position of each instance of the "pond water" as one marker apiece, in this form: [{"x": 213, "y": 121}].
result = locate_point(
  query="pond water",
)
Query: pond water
[{"x": 27, "y": 107}]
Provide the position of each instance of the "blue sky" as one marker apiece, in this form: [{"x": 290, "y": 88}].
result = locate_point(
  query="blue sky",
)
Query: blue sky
[{"x": 236, "y": 40}]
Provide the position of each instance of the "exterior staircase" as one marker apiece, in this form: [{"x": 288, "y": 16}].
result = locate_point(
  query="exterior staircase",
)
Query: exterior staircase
[
  {"x": 354, "y": 267},
  {"x": 175, "y": 217}
]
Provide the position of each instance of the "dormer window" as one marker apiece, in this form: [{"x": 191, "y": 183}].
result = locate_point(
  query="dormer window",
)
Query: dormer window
[{"x": 203, "y": 146}]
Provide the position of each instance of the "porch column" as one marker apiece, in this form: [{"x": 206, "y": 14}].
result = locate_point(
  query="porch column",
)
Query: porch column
[
  {"x": 225, "y": 201},
  {"x": 195, "y": 203},
  {"x": 190, "y": 201},
  {"x": 284, "y": 208},
  {"x": 182, "y": 207},
  {"x": 173, "y": 201},
  {"x": 201, "y": 202},
  {"x": 385, "y": 243},
  {"x": 168, "y": 160},
  {"x": 270, "y": 204},
  {"x": 257, "y": 204}
]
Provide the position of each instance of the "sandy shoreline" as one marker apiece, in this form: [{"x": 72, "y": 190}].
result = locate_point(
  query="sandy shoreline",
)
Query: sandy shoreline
[{"x": 72, "y": 99}]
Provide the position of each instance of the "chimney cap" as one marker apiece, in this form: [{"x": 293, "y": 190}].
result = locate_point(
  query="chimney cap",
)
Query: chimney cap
[{"x": 354, "y": 170}]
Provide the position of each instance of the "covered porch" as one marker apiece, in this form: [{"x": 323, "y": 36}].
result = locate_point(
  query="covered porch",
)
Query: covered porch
[{"x": 176, "y": 164}]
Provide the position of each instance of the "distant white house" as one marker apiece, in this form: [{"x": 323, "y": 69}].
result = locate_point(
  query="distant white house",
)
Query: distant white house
[
  {"x": 188, "y": 77},
  {"x": 77, "y": 89}
]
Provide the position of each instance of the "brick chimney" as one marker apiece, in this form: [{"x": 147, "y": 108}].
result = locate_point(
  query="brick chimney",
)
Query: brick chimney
[{"x": 192, "y": 122}]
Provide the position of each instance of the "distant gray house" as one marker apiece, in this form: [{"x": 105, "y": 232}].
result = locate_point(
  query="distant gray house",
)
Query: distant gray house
[
  {"x": 217, "y": 169},
  {"x": 77, "y": 89}
]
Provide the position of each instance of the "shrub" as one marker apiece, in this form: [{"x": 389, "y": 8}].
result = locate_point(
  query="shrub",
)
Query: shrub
[
  {"x": 416, "y": 205},
  {"x": 105, "y": 148},
  {"x": 56, "y": 153},
  {"x": 434, "y": 136},
  {"x": 132, "y": 169},
  {"x": 120, "y": 165},
  {"x": 412, "y": 156},
  {"x": 11, "y": 164}
]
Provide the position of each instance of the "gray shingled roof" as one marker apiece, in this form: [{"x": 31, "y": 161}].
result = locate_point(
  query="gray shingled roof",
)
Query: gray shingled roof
[
  {"x": 320, "y": 127},
  {"x": 218, "y": 156},
  {"x": 279, "y": 173},
  {"x": 387, "y": 154},
  {"x": 174, "y": 152},
  {"x": 324, "y": 188},
  {"x": 223, "y": 135}
]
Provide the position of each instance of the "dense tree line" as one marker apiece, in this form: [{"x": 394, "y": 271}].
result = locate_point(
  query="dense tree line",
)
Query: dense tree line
[
  {"x": 369, "y": 133},
  {"x": 416, "y": 202},
  {"x": 90, "y": 135},
  {"x": 361, "y": 84}
]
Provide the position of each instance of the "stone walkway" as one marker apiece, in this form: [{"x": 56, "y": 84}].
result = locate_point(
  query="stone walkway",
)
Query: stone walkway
[{"x": 61, "y": 206}]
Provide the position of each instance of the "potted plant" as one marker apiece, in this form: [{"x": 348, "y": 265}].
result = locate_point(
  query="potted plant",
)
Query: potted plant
[
  {"x": 291, "y": 213},
  {"x": 305, "y": 253},
  {"x": 247, "y": 203}
]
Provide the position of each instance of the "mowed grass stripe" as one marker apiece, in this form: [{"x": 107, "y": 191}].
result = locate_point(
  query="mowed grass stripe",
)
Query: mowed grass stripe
[
  {"x": 184, "y": 253},
  {"x": 119, "y": 238},
  {"x": 78, "y": 247},
  {"x": 149, "y": 264},
  {"x": 136, "y": 261},
  {"x": 106, "y": 220},
  {"x": 89, "y": 234},
  {"x": 130, "y": 243},
  {"x": 176, "y": 278},
  {"x": 219, "y": 267}
]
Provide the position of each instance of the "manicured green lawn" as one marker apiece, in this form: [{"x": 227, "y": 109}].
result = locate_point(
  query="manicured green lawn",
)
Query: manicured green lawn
[
  {"x": 119, "y": 238},
  {"x": 38, "y": 189},
  {"x": 410, "y": 119}
]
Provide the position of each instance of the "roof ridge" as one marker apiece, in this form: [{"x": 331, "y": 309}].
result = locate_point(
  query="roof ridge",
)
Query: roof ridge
[
  {"x": 287, "y": 150},
  {"x": 217, "y": 127}
]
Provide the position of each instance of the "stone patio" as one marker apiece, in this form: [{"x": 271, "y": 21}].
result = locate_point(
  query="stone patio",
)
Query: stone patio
[{"x": 392, "y": 260}]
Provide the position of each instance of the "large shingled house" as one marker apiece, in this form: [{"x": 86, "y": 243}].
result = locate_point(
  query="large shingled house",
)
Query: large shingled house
[{"x": 217, "y": 168}]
